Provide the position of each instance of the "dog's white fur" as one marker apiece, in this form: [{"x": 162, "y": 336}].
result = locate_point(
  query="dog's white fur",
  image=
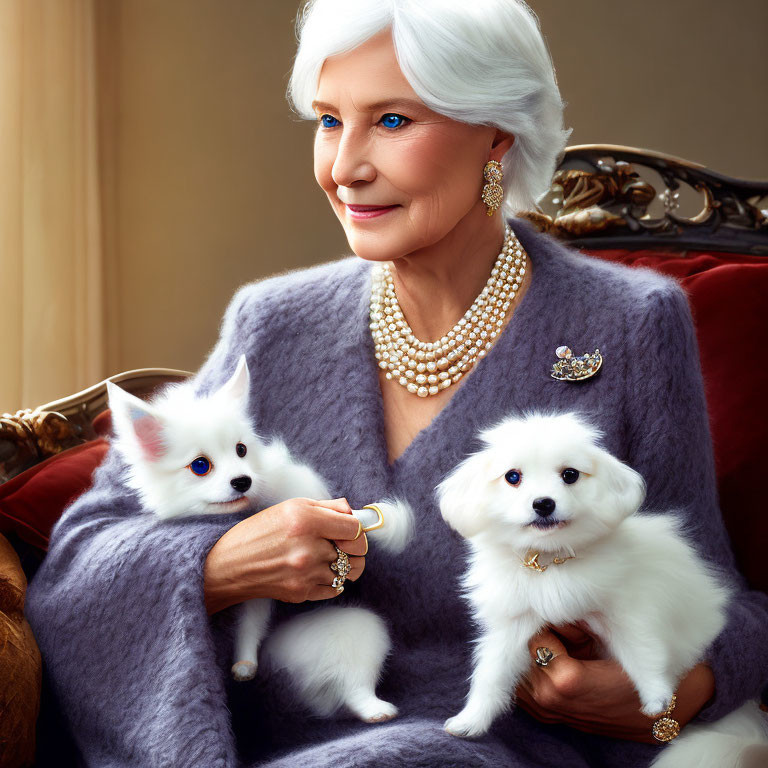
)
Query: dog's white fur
[
  {"x": 159, "y": 439},
  {"x": 334, "y": 656},
  {"x": 635, "y": 580}
]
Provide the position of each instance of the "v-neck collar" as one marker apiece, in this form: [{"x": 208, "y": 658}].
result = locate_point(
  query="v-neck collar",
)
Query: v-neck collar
[{"x": 471, "y": 391}]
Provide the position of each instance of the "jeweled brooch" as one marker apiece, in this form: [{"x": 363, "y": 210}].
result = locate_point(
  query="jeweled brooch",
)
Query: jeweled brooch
[{"x": 572, "y": 368}]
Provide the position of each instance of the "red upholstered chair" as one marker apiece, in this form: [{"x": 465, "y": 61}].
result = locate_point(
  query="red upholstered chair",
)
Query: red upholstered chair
[{"x": 707, "y": 230}]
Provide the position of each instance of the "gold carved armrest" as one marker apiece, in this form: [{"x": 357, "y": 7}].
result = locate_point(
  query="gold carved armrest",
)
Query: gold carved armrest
[
  {"x": 29, "y": 436},
  {"x": 20, "y": 663}
]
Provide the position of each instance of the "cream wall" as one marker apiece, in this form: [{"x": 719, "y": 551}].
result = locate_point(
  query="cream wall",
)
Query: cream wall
[
  {"x": 685, "y": 77},
  {"x": 208, "y": 178}
]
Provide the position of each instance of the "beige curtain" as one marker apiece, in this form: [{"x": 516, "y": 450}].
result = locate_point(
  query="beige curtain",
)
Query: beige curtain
[{"x": 51, "y": 271}]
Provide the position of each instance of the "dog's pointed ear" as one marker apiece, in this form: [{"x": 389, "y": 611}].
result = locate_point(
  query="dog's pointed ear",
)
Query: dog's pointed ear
[
  {"x": 460, "y": 495},
  {"x": 239, "y": 385},
  {"x": 136, "y": 421}
]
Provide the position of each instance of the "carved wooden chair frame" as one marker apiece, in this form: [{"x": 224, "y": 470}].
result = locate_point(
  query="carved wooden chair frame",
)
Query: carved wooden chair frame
[
  {"x": 30, "y": 436},
  {"x": 600, "y": 198}
]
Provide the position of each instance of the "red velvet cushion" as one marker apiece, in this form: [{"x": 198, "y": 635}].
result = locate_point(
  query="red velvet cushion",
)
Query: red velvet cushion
[
  {"x": 728, "y": 294},
  {"x": 33, "y": 501},
  {"x": 102, "y": 424}
]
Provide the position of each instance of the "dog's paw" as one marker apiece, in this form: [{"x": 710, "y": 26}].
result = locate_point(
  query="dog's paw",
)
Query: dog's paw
[
  {"x": 244, "y": 670},
  {"x": 464, "y": 726},
  {"x": 375, "y": 710}
]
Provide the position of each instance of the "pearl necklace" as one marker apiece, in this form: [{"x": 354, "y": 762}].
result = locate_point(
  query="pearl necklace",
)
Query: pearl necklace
[{"x": 425, "y": 368}]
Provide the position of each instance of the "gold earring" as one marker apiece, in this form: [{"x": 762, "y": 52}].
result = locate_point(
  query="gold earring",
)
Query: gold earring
[{"x": 493, "y": 193}]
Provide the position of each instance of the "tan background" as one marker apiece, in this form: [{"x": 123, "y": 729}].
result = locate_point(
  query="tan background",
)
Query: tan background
[{"x": 206, "y": 176}]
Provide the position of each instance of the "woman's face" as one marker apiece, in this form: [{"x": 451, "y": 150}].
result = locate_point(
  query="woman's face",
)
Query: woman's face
[{"x": 399, "y": 176}]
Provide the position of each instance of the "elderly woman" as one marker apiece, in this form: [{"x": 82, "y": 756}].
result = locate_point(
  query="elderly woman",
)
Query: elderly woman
[{"x": 378, "y": 370}]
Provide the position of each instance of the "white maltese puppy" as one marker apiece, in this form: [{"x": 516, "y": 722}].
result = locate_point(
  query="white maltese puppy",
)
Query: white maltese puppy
[
  {"x": 554, "y": 539},
  {"x": 190, "y": 455}
]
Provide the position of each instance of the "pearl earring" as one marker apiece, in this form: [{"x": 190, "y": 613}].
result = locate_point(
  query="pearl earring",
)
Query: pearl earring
[{"x": 493, "y": 192}]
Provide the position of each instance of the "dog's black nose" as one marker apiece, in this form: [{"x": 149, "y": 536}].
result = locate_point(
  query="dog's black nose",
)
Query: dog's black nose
[
  {"x": 544, "y": 506},
  {"x": 241, "y": 484}
]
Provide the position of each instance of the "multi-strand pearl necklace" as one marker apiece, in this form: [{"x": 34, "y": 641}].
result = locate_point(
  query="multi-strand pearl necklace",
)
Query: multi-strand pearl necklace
[{"x": 425, "y": 368}]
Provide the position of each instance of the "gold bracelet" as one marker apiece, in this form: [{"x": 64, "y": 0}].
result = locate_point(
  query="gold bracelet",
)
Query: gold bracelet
[{"x": 666, "y": 728}]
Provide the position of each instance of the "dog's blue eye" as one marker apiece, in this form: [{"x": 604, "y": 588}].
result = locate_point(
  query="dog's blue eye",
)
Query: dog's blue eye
[
  {"x": 513, "y": 477},
  {"x": 200, "y": 466},
  {"x": 241, "y": 450},
  {"x": 570, "y": 475}
]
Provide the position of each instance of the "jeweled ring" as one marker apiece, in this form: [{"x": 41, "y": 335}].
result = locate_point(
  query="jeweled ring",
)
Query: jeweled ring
[
  {"x": 342, "y": 567},
  {"x": 543, "y": 656}
]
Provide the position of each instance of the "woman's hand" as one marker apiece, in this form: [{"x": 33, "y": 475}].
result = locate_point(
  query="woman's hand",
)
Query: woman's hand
[
  {"x": 283, "y": 552},
  {"x": 594, "y": 694}
]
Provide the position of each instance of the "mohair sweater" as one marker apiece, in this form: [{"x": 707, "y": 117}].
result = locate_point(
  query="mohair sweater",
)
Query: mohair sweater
[{"x": 141, "y": 673}]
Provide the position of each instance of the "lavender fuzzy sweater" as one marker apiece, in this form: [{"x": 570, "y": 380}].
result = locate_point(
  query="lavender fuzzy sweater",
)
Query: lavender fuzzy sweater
[{"x": 140, "y": 671}]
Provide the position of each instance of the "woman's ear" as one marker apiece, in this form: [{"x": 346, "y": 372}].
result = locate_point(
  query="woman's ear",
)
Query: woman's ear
[
  {"x": 502, "y": 143},
  {"x": 461, "y": 495}
]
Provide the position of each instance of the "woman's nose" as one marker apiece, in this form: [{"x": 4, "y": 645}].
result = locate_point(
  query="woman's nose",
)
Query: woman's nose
[{"x": 352, "y": 163}]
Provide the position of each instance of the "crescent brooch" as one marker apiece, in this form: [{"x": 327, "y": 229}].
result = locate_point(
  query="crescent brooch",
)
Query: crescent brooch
[{"x": 572, "y": 368}]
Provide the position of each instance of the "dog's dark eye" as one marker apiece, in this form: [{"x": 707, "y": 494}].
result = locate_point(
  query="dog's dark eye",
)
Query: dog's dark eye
[
  {"x": 513, "y": 477},
  {"x": 200, "y": 466},
  {"x": 241, "y": 450},
  {"x": 570, "y": 475}
]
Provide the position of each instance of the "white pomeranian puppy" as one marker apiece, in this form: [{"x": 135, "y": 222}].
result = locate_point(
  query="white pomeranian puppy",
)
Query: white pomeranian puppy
[
  {"x": 554, "y": 539},
  {"x": 196, "y": 455}
]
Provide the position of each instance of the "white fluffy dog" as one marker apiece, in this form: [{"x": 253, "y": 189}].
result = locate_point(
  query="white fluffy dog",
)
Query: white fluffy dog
[
  {"x": 191, "y": 455},
  {"x": 554, "y": 539}
]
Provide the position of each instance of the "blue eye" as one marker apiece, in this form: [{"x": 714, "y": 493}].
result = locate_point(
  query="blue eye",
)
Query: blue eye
[
  {"x": 393, "y": 121},
  {"x": 513, "y": 477},
  {"x": 200, "y": 466},
  {"x": 329, "y": 121},
  {"x": 570, "y": 475}
]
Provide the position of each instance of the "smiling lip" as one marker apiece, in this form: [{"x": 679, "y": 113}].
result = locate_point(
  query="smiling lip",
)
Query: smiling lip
[{"x": 368, "y": 211}]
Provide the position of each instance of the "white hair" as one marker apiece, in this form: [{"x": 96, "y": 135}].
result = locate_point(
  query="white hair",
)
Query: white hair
[{"x": 483, "y": 62}]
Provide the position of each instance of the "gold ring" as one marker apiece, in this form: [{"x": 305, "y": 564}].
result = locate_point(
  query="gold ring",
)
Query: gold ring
[
  {"x": 339, "y": 589},
  {"x": 544, "y": 655},
  {"x": 380, "y": 522},
  {"x": 359, "y": 530}
]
